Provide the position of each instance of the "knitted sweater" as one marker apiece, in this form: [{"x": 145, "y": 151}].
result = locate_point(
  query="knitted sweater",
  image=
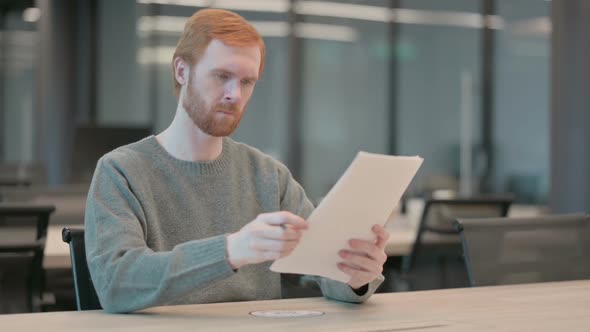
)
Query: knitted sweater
[{"x": 156, "y": 226}]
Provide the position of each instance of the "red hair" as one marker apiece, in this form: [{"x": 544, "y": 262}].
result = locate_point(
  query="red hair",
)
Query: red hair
[{"x": 208, "y": 24}]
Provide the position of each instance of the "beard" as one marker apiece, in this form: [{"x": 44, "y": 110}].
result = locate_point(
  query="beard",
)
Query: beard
[{"x": 207, "y": 118}]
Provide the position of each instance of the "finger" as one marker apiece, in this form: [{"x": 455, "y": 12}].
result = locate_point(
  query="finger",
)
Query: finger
[
  {"x": 382, "y": 235},
  {"x": 365, "y": 247},
  {"x": 379, "y": 257},
  {"x": 363, "y": 263},
  {"x": 286, "y": 253},
  {"x": 279, "y": 233},
  {"x": 356, "y": 274},
  {"x": 270, "y": 255},
  {"x": 284, "y": 217},
  {"x": 273, "y": 245}
]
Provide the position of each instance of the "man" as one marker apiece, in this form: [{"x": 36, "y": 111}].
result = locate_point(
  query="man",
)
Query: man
[{"x": 187, "y": 216}]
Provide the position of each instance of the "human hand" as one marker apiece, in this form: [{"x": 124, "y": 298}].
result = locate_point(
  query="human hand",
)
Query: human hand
[
  {"x": 364, "y": 260},
  {"x": 268, "y": 237}
]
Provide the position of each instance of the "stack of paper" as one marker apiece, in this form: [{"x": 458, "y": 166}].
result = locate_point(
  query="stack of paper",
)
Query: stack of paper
[{"x": 365, "y": 195}]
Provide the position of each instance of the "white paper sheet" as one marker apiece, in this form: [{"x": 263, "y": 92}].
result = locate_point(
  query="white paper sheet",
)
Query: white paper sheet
[{"x": 366, "y": 194}]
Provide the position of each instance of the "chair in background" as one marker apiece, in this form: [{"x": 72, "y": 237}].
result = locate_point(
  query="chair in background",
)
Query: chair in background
[
  {"x": 86, "y": 298},
  {"x": 501, "y": 251},
  {"x": 436, "y": 259},
  {"x": 23, "y": 232}
]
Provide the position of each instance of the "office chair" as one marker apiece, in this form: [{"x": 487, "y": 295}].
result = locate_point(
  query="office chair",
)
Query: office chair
[
  {"x": 500, "y": 251},
  {"x": 436, "y": 259},
  {"x": 86, "y": 298},
  {"x": 23, "y": 232}
]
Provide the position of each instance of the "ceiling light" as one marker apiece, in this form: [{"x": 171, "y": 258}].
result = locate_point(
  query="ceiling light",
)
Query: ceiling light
[{"x": 31, "y": 14}]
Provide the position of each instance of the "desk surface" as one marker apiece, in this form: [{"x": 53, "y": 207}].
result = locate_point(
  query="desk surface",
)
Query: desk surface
[
  {"x": 563, "y": 306},
  {"x": 57, "y": 252}
]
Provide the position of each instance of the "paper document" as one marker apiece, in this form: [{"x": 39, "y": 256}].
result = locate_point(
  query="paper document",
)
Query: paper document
[{"x": 366, "y": 194}]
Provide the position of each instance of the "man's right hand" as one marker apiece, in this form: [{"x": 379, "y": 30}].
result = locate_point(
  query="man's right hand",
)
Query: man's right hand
[{"x": 268, "y": 237}]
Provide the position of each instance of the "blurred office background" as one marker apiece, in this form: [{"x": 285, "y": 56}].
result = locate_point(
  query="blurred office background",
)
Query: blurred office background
[
  {"x": 466, "y": 84},
  {"x": 462, "y": 83}
]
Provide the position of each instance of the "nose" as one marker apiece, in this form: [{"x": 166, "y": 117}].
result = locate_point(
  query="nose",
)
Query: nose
[{"x": 233, "y": 92}]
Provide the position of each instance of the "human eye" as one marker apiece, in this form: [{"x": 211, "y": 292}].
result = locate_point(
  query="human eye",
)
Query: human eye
[
  {"x": 222, "y": 76},
  {"x": 247, "y": 82}
]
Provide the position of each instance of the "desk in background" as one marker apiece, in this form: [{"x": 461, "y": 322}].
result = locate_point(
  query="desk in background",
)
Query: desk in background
[
  {"x": 57, "y": 252},
  {"x": 563, "y": 306},
  {"x": 6, "y": 181},
  {"x": 402, "y": 228}
]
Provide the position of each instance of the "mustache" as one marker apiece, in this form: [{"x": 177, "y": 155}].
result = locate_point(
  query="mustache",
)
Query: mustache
[{"x": 228, "y": 108}]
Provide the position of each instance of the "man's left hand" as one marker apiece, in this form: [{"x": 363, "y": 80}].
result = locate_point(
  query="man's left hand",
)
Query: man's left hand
[{"x": 364, "y": 260}]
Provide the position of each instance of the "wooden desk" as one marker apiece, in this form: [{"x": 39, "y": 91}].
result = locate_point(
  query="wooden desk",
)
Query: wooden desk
[
  {"x": 563, "y": 306},
  {"x": 57, "y": 252},
  {"x": 401, "y": 240},
  {"x": 403, "y": 228}
]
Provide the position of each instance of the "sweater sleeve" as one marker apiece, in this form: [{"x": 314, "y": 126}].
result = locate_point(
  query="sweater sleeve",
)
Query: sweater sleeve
[
  {"x": 294, "y": 199},
  {"x": 126, "y": 273}
]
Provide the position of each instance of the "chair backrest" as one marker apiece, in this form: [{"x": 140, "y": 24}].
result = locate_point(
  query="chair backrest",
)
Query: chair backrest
[
  {"x": 23, "y": 232},
  {"x": 437, "y": 247},
  {"x": 502, "y": 251},
  {"x": 86, "y": 298}
]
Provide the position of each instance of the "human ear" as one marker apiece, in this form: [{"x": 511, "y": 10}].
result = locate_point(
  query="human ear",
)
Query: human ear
[{"x": 181, "y": 71}]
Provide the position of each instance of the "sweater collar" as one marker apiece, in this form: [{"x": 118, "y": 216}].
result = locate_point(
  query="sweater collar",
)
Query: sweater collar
[{"x": 201, "y": 167}]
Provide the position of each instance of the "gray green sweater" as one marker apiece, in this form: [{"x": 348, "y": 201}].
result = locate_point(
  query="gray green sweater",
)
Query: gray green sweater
[{"x": 156, "y": 226}]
